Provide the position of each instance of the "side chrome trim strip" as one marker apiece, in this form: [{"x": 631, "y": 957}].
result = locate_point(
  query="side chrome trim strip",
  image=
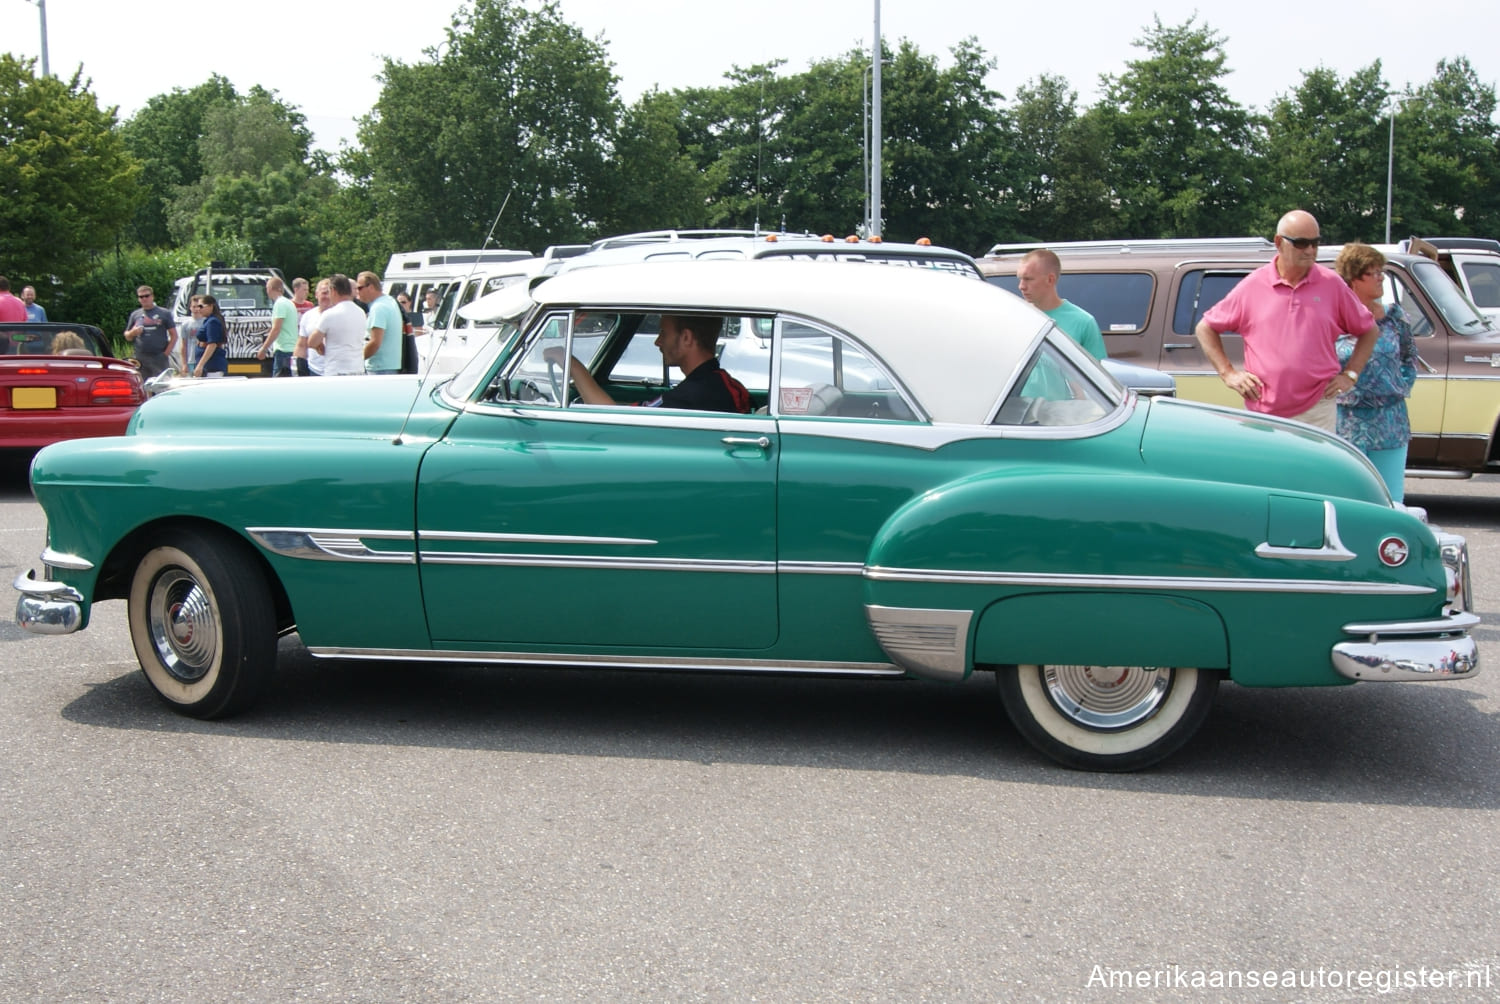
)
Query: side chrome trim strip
[
  {"x": 703, "y": 664},
  {"x": 333, "y": 545},
  {"x": 1333, "y": 548},
  {"x": 61, "y": 559},
  {"x": 820, "y": 567},
  {"x": 532, "y": 538},
  {"x": 597, "y": 562},
  {"x": 1173, "y": 582}
]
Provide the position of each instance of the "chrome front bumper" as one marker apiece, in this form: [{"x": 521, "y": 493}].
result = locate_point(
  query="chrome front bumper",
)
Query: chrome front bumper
[
  {"x": 47, "y": 607},
  {"x": 1439, "y": 649}
]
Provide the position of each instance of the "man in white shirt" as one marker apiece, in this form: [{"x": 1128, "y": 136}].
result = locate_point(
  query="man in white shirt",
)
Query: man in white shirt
[
  {"x": 310, "y": 363},
  {"x": 340, "y": 334}
]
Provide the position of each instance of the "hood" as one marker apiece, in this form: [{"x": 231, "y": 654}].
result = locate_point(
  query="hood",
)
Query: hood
[
  {"x": 370, "y": 407},
  {"x": 1192, "y": 440}
]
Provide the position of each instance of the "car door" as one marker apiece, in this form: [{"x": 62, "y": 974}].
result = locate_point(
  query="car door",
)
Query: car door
[
  {"x": 545, "y": 524},
  {"x": 1436, "y": 349},
  {"x": 1465, "y": 348},
  {"x": 1197, "y": 288}
]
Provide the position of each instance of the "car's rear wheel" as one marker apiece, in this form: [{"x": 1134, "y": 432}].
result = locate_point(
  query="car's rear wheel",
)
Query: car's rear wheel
[
  {"x": 1106, "y": 718},
  {"x": 203, "y": 623}
]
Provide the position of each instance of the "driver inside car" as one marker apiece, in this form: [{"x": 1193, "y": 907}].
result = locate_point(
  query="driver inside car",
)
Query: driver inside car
[{"x": 688, "y": 342}]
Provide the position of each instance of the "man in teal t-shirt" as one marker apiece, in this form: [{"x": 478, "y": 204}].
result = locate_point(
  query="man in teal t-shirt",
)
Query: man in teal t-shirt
[
  {"x": 281, "y": 339},
  {"x": 1037, "y": 279},
  {"x": 384, "y": 327}
]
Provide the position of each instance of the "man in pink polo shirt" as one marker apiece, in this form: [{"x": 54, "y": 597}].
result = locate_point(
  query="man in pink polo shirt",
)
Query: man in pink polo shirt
[{"x": 1290, "y": 314}]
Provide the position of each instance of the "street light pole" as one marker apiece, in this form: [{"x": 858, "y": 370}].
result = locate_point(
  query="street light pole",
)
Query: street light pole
[
  {"x": 41, "y": 6},
  {"x": 875, "y": 60},
  {"x": 1390, "y": 170}
]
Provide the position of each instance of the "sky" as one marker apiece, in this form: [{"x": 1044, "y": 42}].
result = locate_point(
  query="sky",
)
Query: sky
[{"x": 133, "y": 51}]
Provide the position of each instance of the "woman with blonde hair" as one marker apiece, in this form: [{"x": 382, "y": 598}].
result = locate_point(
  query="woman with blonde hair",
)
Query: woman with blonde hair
[{"x": 1372, "y": 415}]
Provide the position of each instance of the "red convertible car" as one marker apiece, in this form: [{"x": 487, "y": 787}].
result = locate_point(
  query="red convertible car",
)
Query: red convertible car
[{"x": 62, "y": 381}]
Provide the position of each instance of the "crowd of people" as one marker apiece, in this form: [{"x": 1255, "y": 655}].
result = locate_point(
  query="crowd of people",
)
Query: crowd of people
[
  {"x": 1320, "y": 345},
  {"x": 352, "y": 327}
]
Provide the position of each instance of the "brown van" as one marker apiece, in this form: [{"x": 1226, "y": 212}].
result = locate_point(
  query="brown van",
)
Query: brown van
[{"x": 1149, "y": 295}]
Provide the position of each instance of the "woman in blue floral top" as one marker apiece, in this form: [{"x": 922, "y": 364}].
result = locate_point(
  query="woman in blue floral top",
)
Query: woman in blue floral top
[{"x": 1372, "y": 416}]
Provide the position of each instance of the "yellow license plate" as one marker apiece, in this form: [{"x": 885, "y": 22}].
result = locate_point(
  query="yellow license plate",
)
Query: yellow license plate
[
  {"x": 33, "y": 397},
  {"x": 249, "y": 369}
]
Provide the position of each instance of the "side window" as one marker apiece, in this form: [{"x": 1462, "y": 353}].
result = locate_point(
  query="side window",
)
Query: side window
[
  {"x": 641, "y": 362},
  {"x": 827, "y": 375},
  {"x": 539, "y": 374},
  {"x": 1052, "y": 392},
  {"x": 1119, "y": 301},
  {"x": 470, "y": 294},
  {"x": 1199, "y": 291},
  {"x": 1484, "y": 283},
  {"x": 1399, "y": 293}
]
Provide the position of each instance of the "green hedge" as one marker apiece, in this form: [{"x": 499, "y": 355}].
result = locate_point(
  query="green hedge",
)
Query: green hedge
[{"x": 107, "y": 295}]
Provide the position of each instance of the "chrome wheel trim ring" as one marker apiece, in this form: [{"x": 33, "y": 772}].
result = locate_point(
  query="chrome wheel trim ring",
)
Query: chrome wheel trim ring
[
  {"x": 1106, "y": 698},
  {"x": 184, "y": 629}
]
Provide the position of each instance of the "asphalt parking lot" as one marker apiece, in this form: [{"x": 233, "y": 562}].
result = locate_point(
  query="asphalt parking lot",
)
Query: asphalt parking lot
[{"x": 385, "y": 832}]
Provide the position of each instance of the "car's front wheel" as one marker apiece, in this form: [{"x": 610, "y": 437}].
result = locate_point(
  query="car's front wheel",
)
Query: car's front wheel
[
  {"x": 1106, "y": 718},
  {"x": 203, "y": 624}
]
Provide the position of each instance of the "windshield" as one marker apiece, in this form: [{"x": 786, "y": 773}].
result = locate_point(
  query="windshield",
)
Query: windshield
[
  {"x": 491, "y": 345},
  {"x": 1461, "y": 315},
  {"x": 235, "y": 293}
]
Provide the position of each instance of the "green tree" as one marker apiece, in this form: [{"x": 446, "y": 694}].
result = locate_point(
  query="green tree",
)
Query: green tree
[
  {"x": 1058, "y": 165},
  {"x": 69, "y": 183},
  {"x": 248, "y": 136},
  {"x": 515, "y": 103},
  {"x": 1182, "y": 146},
  {"x": 274, "y": 211},
  {"x": 1325, "y": 151},
  {"x": 1447, "y": 176},
  {"x": 946, "y": 151},
  {"x": 164, "y": 137},
  {"x": 354, "y": 237},
  {"x": 241, "y": 143},
  {"x": 655, "y": 183},
  {"x": 792, "y": 148}
]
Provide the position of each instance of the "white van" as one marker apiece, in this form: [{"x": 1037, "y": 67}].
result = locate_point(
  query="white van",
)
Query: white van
[
  {"x": 416, "y": 272},
  {"x": 444, "y": 348}
]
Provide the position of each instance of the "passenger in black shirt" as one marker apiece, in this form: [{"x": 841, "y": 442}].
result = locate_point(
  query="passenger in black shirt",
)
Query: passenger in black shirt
[{"x": 691, "y": 344}]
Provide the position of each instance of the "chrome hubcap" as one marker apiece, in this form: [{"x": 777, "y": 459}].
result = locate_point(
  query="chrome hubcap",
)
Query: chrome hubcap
[
  {"x": 1106, "y": 698},
  {"x": 183, "y": 628}
]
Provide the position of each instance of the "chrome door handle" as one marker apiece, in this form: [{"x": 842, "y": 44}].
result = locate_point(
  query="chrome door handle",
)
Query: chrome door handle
[
  {"x": 1169, "y": 346},
  {"x": 763, "y": 442}
]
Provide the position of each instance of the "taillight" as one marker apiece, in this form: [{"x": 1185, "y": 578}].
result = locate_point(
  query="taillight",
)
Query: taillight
[
  {"x": 34, "y": 371},
  {"x": 114, "y": 390}
]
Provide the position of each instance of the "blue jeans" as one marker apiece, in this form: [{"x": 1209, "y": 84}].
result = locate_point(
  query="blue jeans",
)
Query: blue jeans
[{"x": 281, "y": 363}]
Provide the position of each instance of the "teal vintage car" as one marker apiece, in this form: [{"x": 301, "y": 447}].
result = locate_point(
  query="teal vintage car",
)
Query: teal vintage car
[{"x": 933, "y": 481}]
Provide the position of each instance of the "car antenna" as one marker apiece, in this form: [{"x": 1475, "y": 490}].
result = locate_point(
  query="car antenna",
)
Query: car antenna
[{"x": 433, "y": 352}]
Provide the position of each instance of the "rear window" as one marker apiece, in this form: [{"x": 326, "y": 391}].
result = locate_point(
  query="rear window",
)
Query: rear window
[
  {"x": 1484, "y": 283},
  {"x": 1119, "y": 301},
  {"x": 1200, "y": 290}
]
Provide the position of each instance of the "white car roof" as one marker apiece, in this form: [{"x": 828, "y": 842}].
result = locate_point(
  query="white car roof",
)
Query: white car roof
[
  {"x": 951, "y": 340},
  {"x": 746, "y": 247}
]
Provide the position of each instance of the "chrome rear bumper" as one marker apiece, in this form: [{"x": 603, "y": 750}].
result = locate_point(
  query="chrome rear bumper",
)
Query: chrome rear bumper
[{"x": 1439, "y": 649}]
